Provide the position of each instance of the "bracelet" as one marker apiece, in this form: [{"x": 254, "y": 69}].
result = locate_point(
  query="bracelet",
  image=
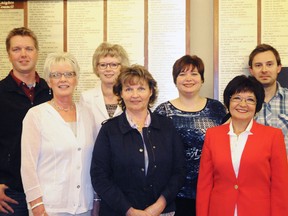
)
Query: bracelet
[
  {"x": 97, "y": 199},
  {"x": 36, "y": 205}
]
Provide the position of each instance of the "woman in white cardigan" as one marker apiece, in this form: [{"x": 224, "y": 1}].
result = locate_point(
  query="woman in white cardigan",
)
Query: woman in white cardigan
[
  {"x": 57, "y": 142},
  {"x": 107, "y": 62}
]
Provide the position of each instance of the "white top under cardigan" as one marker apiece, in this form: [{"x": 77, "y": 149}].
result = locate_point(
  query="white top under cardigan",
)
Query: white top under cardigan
[{"x": 55, "y": 165}]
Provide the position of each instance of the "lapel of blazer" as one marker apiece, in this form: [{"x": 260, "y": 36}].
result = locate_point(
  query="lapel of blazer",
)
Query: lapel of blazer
[
  {"x": 99, "y": 101},
  {"x": 220, "y": 148},
  {"x": 227, "y": 151}
]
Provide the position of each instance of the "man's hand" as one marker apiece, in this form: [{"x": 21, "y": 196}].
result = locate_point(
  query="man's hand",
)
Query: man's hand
[{"x": 4, "y": 200}]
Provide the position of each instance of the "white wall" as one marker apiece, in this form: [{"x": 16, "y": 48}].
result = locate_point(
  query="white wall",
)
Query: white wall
[{"x": 201, "y": 32}]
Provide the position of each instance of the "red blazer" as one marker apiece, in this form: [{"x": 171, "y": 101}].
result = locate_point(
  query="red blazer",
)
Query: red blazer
[{"x": 261, "y": 188}]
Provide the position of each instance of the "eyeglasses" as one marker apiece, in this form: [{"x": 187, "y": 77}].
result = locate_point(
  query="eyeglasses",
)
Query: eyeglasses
[
  {"x": 112, "y": 65},
  {"x": 238, "y": 99},
  {"x": 58, "y": 75}
]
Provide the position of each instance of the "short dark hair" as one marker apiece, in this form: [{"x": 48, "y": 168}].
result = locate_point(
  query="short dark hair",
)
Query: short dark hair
[
  {"x": 22, "y": 31},
  {"x": 243, "y": 83},
  {"x": 263, "y": 48},
  {"x": 186, "y": 61},
  {"x": 132, "y": 75}
]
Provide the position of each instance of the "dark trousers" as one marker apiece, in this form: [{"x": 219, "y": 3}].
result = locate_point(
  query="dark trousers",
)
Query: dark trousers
[
  {"x": 185, "y": 207},
  {"x": 21, "y": 208}
]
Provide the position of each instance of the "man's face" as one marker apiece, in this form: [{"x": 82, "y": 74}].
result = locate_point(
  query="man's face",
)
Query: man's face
[
  {"x": 265, "y": 69},
  {"x": 23, "y": 54}
]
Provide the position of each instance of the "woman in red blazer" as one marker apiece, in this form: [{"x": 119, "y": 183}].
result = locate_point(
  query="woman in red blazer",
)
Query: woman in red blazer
[{"x": 243, "y": 168}]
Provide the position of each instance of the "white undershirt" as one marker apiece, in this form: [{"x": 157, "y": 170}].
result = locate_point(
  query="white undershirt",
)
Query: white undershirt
[
  {"x": 237, "y": 145},
  {"x": 73, "y": 126}
]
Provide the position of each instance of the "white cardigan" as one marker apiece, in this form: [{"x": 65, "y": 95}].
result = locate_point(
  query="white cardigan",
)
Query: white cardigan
[
  {"x": 94, "y": 100},
  {"x": 55, "y": 165}
]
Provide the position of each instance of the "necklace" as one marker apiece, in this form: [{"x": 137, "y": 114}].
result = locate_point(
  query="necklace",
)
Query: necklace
[{"x": 71, "y": 107}]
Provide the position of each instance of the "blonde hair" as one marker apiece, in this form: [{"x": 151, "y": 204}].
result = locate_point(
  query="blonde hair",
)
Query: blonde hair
[
  {"x": 60, "y": 57},
  {"x": 113, "y": 50},
  {"x": 22, "y": 31}
]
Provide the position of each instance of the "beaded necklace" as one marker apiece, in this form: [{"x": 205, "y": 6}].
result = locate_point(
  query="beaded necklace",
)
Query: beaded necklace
[{"x": 71, "y": 107}]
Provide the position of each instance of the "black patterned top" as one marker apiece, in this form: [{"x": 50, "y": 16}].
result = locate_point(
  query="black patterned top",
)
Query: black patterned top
[
  {"x": 111, "y": 108},
  {"x": 192, "y": 127}
]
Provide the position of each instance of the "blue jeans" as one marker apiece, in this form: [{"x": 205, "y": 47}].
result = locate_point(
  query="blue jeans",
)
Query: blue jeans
[{"x": 21, "y": 208}]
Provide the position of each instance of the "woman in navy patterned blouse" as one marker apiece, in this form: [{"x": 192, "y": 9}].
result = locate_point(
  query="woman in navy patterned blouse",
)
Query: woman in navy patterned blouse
[{"x": 192, "y": 114}]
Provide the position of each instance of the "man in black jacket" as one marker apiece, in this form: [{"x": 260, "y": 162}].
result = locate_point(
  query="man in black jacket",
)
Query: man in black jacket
[{"x": 19, "y": 91}]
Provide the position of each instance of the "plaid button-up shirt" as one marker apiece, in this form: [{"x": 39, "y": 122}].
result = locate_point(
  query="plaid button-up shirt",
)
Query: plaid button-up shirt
[{"x": 275, "y": 112}]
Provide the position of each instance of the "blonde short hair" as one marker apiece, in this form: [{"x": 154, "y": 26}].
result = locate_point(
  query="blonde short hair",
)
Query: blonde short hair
[
  {"x": 60, "y": 57},
  {"x": 113, "y": 50}
]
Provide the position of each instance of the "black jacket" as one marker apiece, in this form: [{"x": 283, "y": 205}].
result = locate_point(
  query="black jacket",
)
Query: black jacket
[
  {"x": 14, "y": 105},
  {"x": 117, "y": 169}
]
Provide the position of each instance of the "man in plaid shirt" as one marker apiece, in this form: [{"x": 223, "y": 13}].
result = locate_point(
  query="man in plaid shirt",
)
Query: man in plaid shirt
[{"x": 265, "y": 65}]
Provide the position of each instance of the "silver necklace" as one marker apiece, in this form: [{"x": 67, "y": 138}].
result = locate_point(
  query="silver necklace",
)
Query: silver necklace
[{"x": 62, "y": 108}]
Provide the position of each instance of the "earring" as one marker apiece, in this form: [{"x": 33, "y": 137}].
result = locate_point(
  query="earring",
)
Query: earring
[{"x": 50, "y": 91}]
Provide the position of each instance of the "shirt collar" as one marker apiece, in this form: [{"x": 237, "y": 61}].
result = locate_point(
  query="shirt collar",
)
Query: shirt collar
[
  {"x": 280, "y": 90},
  {"x": 135, "y": 126},
  {"x": 20, "y": 82},
  {"x": 247, "y": 130}
]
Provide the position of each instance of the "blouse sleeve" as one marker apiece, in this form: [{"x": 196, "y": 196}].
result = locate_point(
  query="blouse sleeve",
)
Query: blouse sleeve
[
  {"x": 178, "y": 176},
  {"x": 30, "y": 150},
  {"x": 279, "y": 176},
  {"x": 161, "y": 110},
  {"x": 205, "y": 179}
]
